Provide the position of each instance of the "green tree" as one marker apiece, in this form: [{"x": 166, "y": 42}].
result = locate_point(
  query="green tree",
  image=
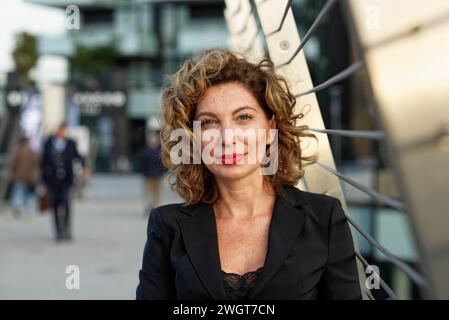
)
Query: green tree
[
  {"x": 25, "y": 55},
  {"x": 92, "y": 61}
]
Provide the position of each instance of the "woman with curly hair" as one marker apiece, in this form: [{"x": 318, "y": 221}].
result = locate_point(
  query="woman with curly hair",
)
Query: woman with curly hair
[{"x": 244, "y": 231}]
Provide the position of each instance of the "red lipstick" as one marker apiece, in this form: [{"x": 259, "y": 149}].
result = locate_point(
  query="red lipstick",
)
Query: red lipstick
[{"x": 232, "y": 158}]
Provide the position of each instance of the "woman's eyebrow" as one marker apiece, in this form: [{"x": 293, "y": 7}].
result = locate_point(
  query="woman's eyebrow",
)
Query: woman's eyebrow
[
  {"x": 208, "y": 113},
  {"x": 242, "y": 108}
]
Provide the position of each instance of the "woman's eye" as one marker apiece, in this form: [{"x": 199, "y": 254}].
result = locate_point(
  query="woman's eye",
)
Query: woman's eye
[
  {"x": 245, "y": 116},
  {"x": 207, "y": 122}
]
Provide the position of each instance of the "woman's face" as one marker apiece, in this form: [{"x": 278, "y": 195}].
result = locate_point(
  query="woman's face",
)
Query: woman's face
[{"x": 231, "y": 111}]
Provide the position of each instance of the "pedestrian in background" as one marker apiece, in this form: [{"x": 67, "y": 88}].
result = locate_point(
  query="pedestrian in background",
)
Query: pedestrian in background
[
  {"x": 58, "y": 158},
  {"x": 24, "y": 170},
  {"x": 152, "y": 171}
]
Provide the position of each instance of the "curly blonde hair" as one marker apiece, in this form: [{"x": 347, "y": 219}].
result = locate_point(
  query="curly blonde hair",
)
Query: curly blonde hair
[{"x": 184, "y": 89}]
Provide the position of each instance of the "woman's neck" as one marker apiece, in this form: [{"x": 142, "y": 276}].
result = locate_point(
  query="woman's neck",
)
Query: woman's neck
[{"x": 244, "y": 199}]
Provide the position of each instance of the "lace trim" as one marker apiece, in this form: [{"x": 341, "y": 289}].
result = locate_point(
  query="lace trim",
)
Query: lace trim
[{"x": 241, "y": 282}]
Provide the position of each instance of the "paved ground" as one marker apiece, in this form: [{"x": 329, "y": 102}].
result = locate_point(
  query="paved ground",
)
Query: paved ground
[{"x": 109, "y": 234}]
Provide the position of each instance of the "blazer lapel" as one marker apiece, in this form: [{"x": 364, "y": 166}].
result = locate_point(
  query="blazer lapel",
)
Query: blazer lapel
[
  {"x": 200, "y": 239},
  {"x": 286, "y": 224}
]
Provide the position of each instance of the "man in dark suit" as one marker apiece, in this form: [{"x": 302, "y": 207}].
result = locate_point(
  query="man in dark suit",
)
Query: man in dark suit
[{"x": 57, "y": 174}]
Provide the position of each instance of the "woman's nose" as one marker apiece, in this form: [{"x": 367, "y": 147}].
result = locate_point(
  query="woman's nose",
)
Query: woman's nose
[{"x": 227, "y": 136}]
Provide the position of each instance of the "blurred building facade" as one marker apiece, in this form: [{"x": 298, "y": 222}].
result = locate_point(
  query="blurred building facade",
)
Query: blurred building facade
[{"x": 117, "y": 61}]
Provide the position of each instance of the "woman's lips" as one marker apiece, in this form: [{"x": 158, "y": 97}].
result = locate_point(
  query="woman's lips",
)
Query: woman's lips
[{"x": 231, "y": 158}]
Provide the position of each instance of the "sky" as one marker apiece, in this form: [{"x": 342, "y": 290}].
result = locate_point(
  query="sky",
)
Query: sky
[{"x": 19, "y": 15}]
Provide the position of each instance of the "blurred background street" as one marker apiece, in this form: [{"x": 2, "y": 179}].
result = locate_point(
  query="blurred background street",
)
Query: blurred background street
[{"x": 109, "y": 235}]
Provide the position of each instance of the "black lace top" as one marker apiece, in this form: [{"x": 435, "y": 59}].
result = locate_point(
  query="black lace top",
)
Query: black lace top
[{"x": 237, "y": 286}]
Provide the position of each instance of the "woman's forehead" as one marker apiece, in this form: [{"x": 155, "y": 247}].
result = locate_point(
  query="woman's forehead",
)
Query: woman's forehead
[{"x": 226, "y": 98}]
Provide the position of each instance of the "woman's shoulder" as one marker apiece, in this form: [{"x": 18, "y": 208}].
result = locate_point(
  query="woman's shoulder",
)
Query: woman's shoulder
[
  {"x": 168, "y": 210},
  {"x": 170, "y": 213},
  {"x": 318, "y": 205},
  {"x": 298, "y": 196}
]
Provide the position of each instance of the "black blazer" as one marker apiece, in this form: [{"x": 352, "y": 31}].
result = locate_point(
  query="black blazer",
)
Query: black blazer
[{"x": 310, "y": 252}]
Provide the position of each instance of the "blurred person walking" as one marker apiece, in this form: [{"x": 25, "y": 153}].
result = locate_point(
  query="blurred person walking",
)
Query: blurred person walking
[
  {"x": 59, "y": 155},
  {"x": 152, "y": 171},
  {"x": 24, "y": 169}
]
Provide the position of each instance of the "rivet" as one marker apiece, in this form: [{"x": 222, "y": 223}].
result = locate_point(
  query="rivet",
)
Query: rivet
[{"x": 284, "y": 45}]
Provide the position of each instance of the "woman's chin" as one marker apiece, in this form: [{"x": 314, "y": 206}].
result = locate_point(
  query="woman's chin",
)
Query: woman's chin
[{"x": 232, "y": 172}]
